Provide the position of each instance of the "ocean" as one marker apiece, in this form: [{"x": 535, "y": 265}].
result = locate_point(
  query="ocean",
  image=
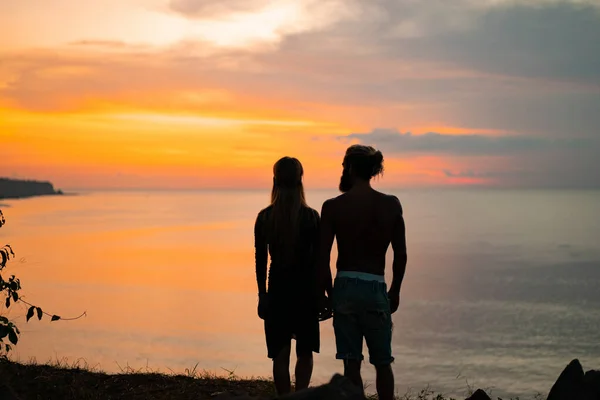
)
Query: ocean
[{"x": 502, "y": 288}]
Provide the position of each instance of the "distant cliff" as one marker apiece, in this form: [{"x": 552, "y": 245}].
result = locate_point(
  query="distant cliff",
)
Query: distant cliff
[{"x": 17, "y": 189}]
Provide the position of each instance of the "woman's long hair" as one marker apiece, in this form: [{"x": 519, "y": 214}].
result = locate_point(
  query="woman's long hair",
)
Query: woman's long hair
[{"x": 287, "y": 200}]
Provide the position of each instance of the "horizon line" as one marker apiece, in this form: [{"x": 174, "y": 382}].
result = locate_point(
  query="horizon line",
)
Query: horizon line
[{"x": 71, "y": 190}]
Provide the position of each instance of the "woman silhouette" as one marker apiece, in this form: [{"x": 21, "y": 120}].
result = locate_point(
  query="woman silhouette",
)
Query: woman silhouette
[{"x": 288, "y": 231}]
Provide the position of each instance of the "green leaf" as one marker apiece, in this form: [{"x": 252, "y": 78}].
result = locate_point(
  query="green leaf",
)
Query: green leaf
[
  {"x": 8, "y": 302},
  {"x": 30, "y": 313},
  {"x": 15, "y": 296},
  {"x": 4, "y": 254},
  {"x": 55, "y": 318},
  {"x": 3, "y": 331},
  {"x": 14, "y": 286},
  {"x": 12, "y": 336},
  {"x": 40, "y": 313},
  {"x": 8, "y": 348}
]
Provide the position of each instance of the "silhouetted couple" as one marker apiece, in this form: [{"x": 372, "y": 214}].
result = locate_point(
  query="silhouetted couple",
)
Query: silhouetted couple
[{"x": 300, "y": 291}]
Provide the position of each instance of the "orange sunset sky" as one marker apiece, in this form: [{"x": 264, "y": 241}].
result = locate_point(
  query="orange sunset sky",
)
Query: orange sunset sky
[{"x": 204, "y": 94}]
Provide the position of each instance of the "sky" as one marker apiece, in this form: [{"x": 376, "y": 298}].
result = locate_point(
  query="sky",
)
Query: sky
[{"x": 207, "y": 94}]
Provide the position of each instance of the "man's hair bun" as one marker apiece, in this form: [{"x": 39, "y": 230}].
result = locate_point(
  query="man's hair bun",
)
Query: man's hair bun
[{"x": 377, "y": 163}]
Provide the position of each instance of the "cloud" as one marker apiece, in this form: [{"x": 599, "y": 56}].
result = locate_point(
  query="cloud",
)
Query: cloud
[
  {"x": 500, "y": 161},
  {"x": 110, "y": 45},
  {"x": 526, "y": 68},
  {"x": 533, "y": 39},
  {"x": 469, "y": 173},
  {"x": 556, "y": 41},
  {"x": 453, "y": 63},
  {"x": 259, "y": 24},
  {"x": 209, "y": 8},
  {"x": 523, "y": 66},
  {"x": 100, "y": 43},
  {"x": 396, "y": 142}
]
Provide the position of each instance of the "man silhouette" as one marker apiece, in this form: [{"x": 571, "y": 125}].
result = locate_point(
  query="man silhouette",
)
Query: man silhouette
[{"x": 364, "y": 222}]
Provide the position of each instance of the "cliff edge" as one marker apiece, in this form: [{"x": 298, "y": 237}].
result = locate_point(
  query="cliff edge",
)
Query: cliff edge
[{"x": 18, "y": 189}]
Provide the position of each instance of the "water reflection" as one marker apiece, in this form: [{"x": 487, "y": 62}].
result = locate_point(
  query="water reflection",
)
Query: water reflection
[{"x": 493, "y": 290}]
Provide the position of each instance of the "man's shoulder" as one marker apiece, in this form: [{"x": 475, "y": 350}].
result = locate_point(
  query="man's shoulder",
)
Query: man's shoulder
[
  {"x": 390, "y": 200},
  {"x": 331, "y": 202},
  {"x": 385, "y": 196}
]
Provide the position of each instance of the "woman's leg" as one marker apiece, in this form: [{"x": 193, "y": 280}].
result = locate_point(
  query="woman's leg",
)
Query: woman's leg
[
  {"x": 281, "y": 371},
  {"x": 304, "y": 370},
  {"x": 279, "y": 340},
  {"x": 308, "y": 342}
]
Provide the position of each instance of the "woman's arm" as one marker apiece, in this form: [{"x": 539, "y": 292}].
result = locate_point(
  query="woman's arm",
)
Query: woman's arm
[{"x": 260, "y": 253}]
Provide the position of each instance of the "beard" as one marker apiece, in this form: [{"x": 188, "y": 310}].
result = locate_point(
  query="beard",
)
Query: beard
[{"x": 345, "y": 182}]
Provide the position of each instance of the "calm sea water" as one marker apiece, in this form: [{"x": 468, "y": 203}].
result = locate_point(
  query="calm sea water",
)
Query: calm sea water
[{"x": 501, "y": 290}]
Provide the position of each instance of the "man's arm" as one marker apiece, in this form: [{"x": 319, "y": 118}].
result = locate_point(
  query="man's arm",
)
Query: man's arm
[
  {"x": 260, "y": 254},
  {"x": 316, "y": 243},
  {"x": 326, "y": 242},
  {"x": 399, "y": 247}
]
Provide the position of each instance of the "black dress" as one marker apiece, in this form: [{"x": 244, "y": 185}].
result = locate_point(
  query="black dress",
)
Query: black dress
[{"x": 292, "y": 305}]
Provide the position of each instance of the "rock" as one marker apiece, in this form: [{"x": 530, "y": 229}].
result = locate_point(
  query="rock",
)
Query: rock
[
  {"x": 339, "y": 388},
  {"x": 569, "y": 385},
  {"x": 479, "y": 395},
  {"x": 591, "y": 383}
]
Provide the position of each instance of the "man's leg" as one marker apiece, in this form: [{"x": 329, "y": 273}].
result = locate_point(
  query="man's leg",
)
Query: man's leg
[
  {"x": 281, "y": 371},
  {"x": 349, "y": 342},
  {"x": 347, "y": 328},
  {"x": 352, "y": 372},
  {"x": 385, "y": 382},
  {"x": 377, "y": 324}
]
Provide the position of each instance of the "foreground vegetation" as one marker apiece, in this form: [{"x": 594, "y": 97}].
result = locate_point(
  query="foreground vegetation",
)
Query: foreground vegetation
[
  {"x": 10, "y": 291},
  {"x": 70, "y": 381},
  {"x": 79, "y": 381}
]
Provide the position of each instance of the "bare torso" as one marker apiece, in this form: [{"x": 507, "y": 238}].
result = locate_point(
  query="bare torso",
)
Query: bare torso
[{"x": 363, "y": 223}]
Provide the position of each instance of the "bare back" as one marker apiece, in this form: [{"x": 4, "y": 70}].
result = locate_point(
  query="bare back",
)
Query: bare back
[{"x": 364, "y": 223}]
